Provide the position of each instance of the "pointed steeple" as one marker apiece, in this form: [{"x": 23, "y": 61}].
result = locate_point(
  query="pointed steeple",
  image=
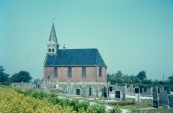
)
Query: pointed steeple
[
  {"x": 52, "y": 45},
  {"x": 53, "y": 34}
]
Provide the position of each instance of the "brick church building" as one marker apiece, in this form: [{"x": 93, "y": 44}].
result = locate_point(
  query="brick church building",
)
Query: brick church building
[{"x": 75, "y": 65}]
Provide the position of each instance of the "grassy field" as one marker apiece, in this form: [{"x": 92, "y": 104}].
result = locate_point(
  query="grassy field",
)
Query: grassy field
[{"x": 159, "y": 110}]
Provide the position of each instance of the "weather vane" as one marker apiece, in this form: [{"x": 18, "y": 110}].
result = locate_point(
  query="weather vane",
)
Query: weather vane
[{"x": 53, "y": 19}]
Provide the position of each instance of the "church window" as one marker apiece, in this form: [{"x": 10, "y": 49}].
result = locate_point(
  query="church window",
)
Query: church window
[
  {"x": 53, "y": 50},
  {"x": 69, "y": 72},
  {"x": 83, "y": 72},
  {"x": 49, "y": 50},
  {"x": 55, "y": 71},
  {"x": 100, "y": 71}
]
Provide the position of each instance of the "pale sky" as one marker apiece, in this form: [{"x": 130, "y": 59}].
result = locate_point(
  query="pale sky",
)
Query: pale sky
[{"x": 131, "y": 35}]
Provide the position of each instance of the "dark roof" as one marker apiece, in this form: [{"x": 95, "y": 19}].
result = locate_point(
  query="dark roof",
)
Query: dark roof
[{"x": 75, "y": 57}]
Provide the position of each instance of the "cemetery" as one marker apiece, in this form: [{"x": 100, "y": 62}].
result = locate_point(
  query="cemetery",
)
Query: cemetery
[{"x": 127, "y": 98}]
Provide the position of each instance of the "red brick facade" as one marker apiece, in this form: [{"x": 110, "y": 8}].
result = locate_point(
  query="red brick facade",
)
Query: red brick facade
[{"x": 92, "y": 75}]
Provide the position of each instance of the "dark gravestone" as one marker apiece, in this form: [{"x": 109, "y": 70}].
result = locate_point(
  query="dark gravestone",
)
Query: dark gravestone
[
  {"x": 110, "y": 88},
  {"x": 170, "y": 100},
  {"x": 77, "y": 91},
  {"x": 155, "y": 98},
  {"x": 136, "y": 90},
  {"x": 90, "y": 91},
  {"x": 104, "y": 92},
  {"x": 117, "y": 94}
]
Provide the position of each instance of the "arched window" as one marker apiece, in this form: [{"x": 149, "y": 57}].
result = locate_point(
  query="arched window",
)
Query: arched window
[
  {"x": 100, "y": 71},
  {"x": 53, "y": 50},
  {"x": 69, "y": 72},
  {"x": 55, "y": 71},
  {"x": 83, "y": 72},
  {"x": 49, "y": 50}
]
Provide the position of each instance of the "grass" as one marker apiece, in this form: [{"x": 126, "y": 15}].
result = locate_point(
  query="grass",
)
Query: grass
[{"x": 159, "y": 110}]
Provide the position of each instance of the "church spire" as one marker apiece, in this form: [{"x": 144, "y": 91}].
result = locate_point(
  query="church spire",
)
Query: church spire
[
  {"x": 53, "y": 34},
  {"x": 52, "y": 45}
]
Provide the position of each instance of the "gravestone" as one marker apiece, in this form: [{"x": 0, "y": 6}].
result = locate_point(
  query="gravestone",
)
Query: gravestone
[
  {"x": 77, "y": 91},
  {"x": 124, "y": 92},
  {"x": 161, "y": 89},
  {"x": 84, "y": 91},
  {"x": 131, "y": 88},
  {"x": 110, "y": 88},
  {"x": 104, "y": 92},
  {"x": 137, "y": 95},
  {"x": 116, "y": 87},
  {"x": 137, "y": 90},
  {"x": 163, "y": 98},
  {"x": 170, "y": 100},
  {"x": 91, "y": 91},
  {"x": 155, "y": 98},
  {"x": 118, "y": 96},
  {"x": 149, "y": 91}
]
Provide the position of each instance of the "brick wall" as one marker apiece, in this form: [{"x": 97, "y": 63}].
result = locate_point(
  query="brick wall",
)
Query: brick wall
[{"x": 92, "y": 74}]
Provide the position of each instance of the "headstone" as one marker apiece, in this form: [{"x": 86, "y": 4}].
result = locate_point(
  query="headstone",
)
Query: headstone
[
  {"x": 116, "y": 87},
  {"x": 137, "y": 97},
  {"x": 77, "y": 91},
  {"x": 131, "y": 88},
  {"x": 155, "y": 98},
  {"x": 118, "y": 96},
  {"x": 137, "y": 90},
  {"x": 104, "y": 92},
  {"x": 161, "y": 89},
  {"x": 163, "y": 98},
  {"x": 110, "y": 88},
  {"x": 91, "y": 91},
  {"x": 170, "y": 100},
  {"x": 83, "y": 91},
  {"x": 149, "y": 91},
  {"x": 124, "y": 92}
]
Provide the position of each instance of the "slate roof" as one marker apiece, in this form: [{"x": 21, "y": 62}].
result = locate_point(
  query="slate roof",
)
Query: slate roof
[{"x": 75, "y": 57}]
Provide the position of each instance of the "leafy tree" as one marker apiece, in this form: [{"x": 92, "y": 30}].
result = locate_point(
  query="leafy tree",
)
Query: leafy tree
[
  {"x": 3, "y": 76},
  {"x": 119, "y": 74},
  {"x": 171, "y": 79},
  {"x": 22, "y": 76},
  {"x": 141, "y": 75}
]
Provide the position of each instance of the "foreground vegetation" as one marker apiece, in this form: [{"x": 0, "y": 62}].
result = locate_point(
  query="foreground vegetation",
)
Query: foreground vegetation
[{"x": 20, "y": 100}]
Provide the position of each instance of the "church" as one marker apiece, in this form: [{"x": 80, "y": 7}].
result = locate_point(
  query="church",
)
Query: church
[{"x": 74, "y": 65}]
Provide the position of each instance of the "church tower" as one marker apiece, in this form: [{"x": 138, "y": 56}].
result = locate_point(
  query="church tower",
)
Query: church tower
[{"x": 52, "y": 45}]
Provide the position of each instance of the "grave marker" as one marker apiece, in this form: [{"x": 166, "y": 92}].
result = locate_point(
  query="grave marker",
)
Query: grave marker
[{"x": 155, "y": 98}]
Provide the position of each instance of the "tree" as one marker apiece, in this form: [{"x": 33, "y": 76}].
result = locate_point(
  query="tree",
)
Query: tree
[
  {"x": 171, "y": 79},
  {"x": 142, "y": 75},
  {"x": 22, "y": 76},
  {"x": 118, "y": 74},
  {"x": 3, "y": 76}
]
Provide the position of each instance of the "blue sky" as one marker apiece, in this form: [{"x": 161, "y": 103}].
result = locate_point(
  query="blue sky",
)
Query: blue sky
[{"x": 131, "y": 35}]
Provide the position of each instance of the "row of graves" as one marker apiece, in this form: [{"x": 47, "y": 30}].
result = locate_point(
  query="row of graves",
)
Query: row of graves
[
  {"x": 46, "y": 86},
  {"x": 161, "y": 96}
]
